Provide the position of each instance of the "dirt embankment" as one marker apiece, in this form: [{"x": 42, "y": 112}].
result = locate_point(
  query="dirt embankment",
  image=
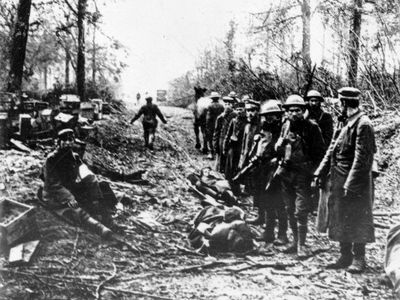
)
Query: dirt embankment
[{"x": 72, "y": 263}]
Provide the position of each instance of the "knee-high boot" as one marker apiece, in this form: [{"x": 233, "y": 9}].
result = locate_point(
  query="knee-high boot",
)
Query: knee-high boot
[{"x": 292, "y": 248}]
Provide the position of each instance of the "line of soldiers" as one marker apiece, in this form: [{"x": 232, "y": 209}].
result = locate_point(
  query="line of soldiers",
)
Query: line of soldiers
[{"x": 282, "y": 154}]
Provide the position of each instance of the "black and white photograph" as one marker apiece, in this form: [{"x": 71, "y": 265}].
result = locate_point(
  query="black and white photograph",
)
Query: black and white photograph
[{"x": 200, "y": 149}]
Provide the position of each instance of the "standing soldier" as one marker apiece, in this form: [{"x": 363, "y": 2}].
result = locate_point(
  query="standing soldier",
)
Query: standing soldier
[
  {"x": 250, "y": 130},
  {"x": 213, "y": 111},
  {"x": 221, "y": 128},
  {"x": 348, "y": 166},
  {"x": 233, "y": 145},
  {"x": 301, "y": 147},
  {"x": 262, "y": 166},
  {"x": 325, "y": 123},
  {"x": 149, "y": 111},
  {"x": 322, "y": 118}
]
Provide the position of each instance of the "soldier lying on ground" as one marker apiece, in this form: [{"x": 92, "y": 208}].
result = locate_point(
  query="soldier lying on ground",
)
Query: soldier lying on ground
[
  {"x": 73, "y": 195},
  {"x": 214, "y": 184},
  {"x": 217, "y": 229}
]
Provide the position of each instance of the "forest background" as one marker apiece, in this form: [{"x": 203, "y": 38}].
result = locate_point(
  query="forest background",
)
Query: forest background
[{"x": 58, "y": 46}]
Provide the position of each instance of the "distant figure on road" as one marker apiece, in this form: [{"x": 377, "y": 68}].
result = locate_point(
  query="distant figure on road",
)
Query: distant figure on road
[
  {"x": 149, "y": 121},
  {"x": 138, "y": 98}
]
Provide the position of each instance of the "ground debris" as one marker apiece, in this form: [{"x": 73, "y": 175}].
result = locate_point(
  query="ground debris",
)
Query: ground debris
[{"x": 72, "y": 263}]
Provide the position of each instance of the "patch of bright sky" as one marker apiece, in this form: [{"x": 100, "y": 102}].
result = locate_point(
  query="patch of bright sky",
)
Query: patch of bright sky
[{"x": 165, "y": 37}]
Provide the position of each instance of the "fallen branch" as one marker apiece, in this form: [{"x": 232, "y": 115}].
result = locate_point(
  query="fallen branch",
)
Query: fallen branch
[
  {"x": 380, "y": 225},
  {"x": 188, "y": 251},
  {"x": 383, "y": 214},
  {"x": 100, "y": 286},
  {"x": 296, "y": 274}
]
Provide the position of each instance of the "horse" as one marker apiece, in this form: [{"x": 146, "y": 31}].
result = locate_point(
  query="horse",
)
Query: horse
[{"x": 199, "y": 108}]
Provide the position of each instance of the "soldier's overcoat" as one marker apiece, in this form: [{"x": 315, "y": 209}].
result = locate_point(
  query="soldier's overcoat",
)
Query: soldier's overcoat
[{"x": 348, "y": 166}]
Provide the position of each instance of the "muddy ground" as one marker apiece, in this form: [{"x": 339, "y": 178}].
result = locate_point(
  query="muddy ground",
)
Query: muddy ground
[{"x": 74, "y": 264}]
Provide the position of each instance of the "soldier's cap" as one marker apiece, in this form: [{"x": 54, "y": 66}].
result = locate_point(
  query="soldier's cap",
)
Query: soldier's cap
[
  {"x": 251, "y": 104},
  {"x": 66, "y": 134},
  {"x": 232, "y": 94},
  {"x": 228, "y": 99},
  {"x": 349, "y": 93},
  {"x": 214, "y": 95}
]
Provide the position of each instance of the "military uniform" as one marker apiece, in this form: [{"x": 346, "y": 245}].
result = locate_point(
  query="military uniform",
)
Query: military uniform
[
  {"x": 149, "y": 111},
  {"x": 220, "y": 132},
  {"x": 301, "y": 147},
  {"x": 62, "y": 184},
  {"x": 325, "y": 123},
  {"x": 213, "y": 111},
  {"x": 266, "y": 188},
  {"x": 232, "y": 147},
  {"x": 250, "y": 130},
  {"x": 346, "y": 211}
]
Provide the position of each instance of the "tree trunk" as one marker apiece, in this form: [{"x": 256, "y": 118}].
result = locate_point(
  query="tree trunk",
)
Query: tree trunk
[
  {"x": 354, "y": 43},
  {"x": 306, "y": 18},
  {"x": 18, "y": 46},
  {"x": 67, "y": 62},
  {"x": 94, "y": 56},
  {"x": 323, "y": 41},
  {"x": 45, "y": 77},
  {"x": 80, "y": 72}
]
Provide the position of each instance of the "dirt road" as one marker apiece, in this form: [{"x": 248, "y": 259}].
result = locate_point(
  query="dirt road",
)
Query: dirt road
[{"x": 73, "y": 264}]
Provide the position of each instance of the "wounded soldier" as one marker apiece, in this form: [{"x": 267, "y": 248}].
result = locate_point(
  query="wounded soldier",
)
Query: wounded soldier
[
  {"x": 73, "y": 192},
  {"x": 221, "y": 230},
  {"x": 213, "y": 184}
]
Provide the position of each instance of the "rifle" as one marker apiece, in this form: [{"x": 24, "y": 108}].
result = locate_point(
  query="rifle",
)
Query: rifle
[
  {"x": 287, "y": 130},
  {"x": 309, "y": 83},
  {"x": 245, "y": 171}
]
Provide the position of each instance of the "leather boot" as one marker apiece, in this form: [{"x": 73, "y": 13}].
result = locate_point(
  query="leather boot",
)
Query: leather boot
[
  {"x": 98, "y": 228},
  {"x": 281, "y": 240},
  {"x": 345, "y": 259},
  {"x": 282, "y": 229},
  {"x": 358, "y": 265},
  {"x": 268, "y": 235},
  {"x": 292, "y": 248},
  {"x": 302, "y": 249},
  {"x": 270, "y": 222}
]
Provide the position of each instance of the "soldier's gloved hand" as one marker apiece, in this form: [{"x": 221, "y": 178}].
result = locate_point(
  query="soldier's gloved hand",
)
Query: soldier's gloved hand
[{"x": 72, "y": 203}]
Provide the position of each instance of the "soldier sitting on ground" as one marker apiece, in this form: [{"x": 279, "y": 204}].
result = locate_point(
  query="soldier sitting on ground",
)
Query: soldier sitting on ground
[{"x": 72, "y": 192}]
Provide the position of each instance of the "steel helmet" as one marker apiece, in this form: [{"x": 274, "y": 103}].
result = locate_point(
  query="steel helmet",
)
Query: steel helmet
[
  {"x": 269, "y": 107},
  {"x": 314, "y": 94},
  {"x": 232, "y": 94},
  {"x": 228, "y": 99},
  {"x": 294, "y": 100},
  {"x": 215, "y": 95}
]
